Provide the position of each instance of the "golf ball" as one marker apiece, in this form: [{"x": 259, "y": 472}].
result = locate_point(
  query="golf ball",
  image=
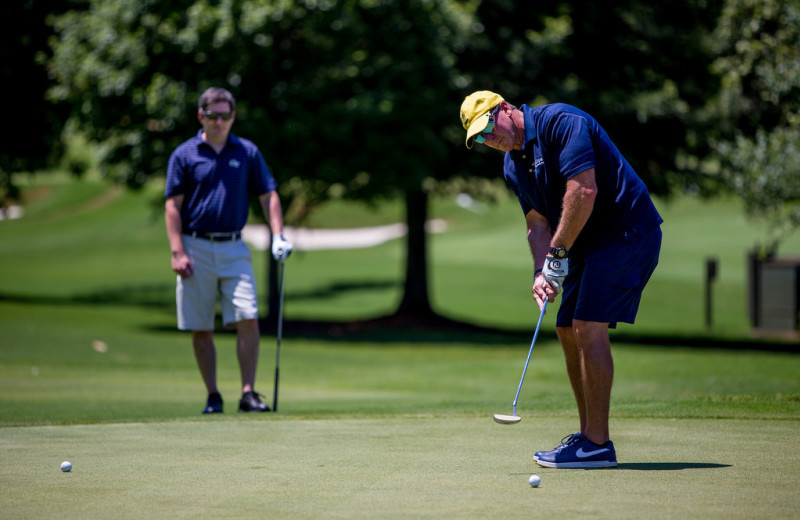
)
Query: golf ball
[
  {"x": 534, "y": 481},
  {"x": 66, "y": 466}
]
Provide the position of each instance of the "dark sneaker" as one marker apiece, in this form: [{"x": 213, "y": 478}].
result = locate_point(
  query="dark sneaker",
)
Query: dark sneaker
[
  {"x": 565, "y": 440},
  {"x": 214, "y": 403},
  {"x": 251, "y": 402},
  {"x": 579, "y": 452}
]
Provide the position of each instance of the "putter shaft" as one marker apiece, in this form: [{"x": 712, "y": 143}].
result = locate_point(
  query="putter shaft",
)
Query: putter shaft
[
  {"x": 528, "y": 360},
  {"x": 279, "y": 336}
]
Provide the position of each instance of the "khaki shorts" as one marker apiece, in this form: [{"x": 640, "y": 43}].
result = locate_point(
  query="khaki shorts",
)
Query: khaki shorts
[{"x": 222, "y": 270}]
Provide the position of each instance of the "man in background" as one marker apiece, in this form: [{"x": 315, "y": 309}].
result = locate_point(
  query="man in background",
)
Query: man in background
[{"x": 210, "y": 179}]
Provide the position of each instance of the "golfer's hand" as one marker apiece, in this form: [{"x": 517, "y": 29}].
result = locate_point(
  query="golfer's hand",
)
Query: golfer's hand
[
  {"x": 554, "y": 272},
  {"x": 541, "y": 291},
  {"x": 182, "y": 265},
  {"x": 281, "y": 248}
]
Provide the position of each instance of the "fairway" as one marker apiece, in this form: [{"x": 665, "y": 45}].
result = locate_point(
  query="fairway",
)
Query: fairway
[
  {"x": 382, "y": 422},
  {"x": 406, "y": 467}
]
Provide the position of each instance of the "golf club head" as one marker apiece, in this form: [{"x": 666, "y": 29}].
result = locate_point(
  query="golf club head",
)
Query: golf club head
[{"x": 506, "y": 419}]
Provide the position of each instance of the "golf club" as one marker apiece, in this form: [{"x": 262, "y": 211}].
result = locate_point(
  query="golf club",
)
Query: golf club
[
  {"x": 279, "y": 335},
  {"x": 514, "y": 418}
]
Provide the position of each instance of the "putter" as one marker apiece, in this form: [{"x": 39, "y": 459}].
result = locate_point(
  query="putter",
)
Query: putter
[
  {"x": 280, "y": 334},
  {"x": 514, "y": 418}
]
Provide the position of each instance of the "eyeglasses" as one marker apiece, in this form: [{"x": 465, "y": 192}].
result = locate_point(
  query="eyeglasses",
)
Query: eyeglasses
[
  {"x": 226, "y": 116},
  {"x": 480, "y": 138}
]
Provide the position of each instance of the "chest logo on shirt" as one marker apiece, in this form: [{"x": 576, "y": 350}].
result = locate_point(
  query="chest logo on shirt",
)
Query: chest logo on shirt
[
  {"x": 233, "y": 163},
  {"x": 538, "y": 162}
]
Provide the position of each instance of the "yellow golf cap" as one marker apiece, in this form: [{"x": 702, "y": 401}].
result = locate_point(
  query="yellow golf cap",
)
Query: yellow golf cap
[{"x": 475, "y": 112}]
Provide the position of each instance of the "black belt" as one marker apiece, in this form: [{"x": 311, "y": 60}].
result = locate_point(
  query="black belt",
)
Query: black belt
[{"x": 216, "y": 237}]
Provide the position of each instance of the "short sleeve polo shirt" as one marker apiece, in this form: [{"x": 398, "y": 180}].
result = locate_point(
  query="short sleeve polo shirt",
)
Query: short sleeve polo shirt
[
  {"x": 217, "y": 187},
  {"x": 560, "y": 142}
]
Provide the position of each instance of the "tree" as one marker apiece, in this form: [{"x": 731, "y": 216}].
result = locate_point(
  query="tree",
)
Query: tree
[
  {"x": 34, "y": 143},
  {"x": 758, "y": 110},
  {"x": 639, "y": 67},
  {"x": 347, "y": 98},
  {"x": 358, "y": 98}
]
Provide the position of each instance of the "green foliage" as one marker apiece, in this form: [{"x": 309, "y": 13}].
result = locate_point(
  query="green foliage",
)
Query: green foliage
[
  {"x": 356, "y": 98},
  {"x": 30, "y": 140},
  {"x": 345, "y": 99},
  {"x": 80, "y": 156},
  {"x": 765, "y": 172},
  {"x": 641, "y": 68},
  {"x": 109, "y": 66},
  {"x": 758, "y": 48}
]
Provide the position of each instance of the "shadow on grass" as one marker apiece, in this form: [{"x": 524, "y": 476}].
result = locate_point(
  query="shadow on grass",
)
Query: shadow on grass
[
  {"x": 708, "y": 342},
  {"x": 670, "y": 466},
  {"x": 154, "y": 295},
  {"x": 441, "y": 329},
  {"x": 655, "y": 466},
  {"x": 339, "y": 288},
  {"x": 394, "y": 328},
  {"x": 403, "y": 328}
]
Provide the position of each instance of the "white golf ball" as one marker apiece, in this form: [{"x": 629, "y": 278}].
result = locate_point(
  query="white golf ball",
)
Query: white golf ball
[
  {"x": 66, "y": 466},
  {"x": 534, "y": 481}
]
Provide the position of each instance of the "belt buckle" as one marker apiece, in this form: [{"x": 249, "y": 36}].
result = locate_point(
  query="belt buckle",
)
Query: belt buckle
[{"x": 222, "y": 237}]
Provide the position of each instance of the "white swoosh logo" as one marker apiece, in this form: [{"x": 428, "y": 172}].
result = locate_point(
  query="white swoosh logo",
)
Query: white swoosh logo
[{"x": 583, "y": 454}]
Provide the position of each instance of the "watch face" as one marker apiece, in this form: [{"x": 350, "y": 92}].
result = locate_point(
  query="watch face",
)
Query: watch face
[{"x": 558, "y": 252}]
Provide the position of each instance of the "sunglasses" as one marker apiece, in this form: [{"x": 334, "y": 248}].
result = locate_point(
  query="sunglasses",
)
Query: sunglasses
[
  {"x": 226, "y": 116},
  {"x": 480, "y": 138}
]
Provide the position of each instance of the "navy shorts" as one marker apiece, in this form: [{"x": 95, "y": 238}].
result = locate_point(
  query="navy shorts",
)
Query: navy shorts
[{"x": 606, "y": 286}]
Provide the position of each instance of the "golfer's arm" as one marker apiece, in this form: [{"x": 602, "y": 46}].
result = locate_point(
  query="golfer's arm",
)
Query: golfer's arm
[
  {"x": 577, "y": 207},
  {"x": 539, "y": 237},
  {"x": 271, "y": 203},
  {"x": 172, "y": 215}
]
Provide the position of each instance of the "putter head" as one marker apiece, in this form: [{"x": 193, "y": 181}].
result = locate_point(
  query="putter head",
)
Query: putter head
[{"x": 506, "y": 419}]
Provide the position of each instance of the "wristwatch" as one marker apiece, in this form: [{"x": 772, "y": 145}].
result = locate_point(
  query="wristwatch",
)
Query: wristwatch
[{"x": 559, "y": 252}]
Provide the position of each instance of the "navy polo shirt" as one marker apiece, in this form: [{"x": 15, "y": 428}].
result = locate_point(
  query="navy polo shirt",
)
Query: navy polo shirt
[
  {"x": 562, "y": 141},
  {"x": 217, "y": 187}
]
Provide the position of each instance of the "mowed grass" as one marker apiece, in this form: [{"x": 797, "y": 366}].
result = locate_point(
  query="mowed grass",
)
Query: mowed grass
[{"x": 391, "y": 423}]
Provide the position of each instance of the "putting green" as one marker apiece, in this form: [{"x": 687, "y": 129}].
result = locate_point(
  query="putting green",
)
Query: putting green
[{"x": 403, "y": 467}]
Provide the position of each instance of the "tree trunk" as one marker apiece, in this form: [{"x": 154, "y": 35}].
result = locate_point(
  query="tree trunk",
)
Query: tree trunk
[{"x": 415, "y": 300}]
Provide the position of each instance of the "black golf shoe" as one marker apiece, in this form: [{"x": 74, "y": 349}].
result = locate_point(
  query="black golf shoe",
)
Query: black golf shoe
[
  {"x": 251, "y": 402},
  {"x": 214, "y": 403}
]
